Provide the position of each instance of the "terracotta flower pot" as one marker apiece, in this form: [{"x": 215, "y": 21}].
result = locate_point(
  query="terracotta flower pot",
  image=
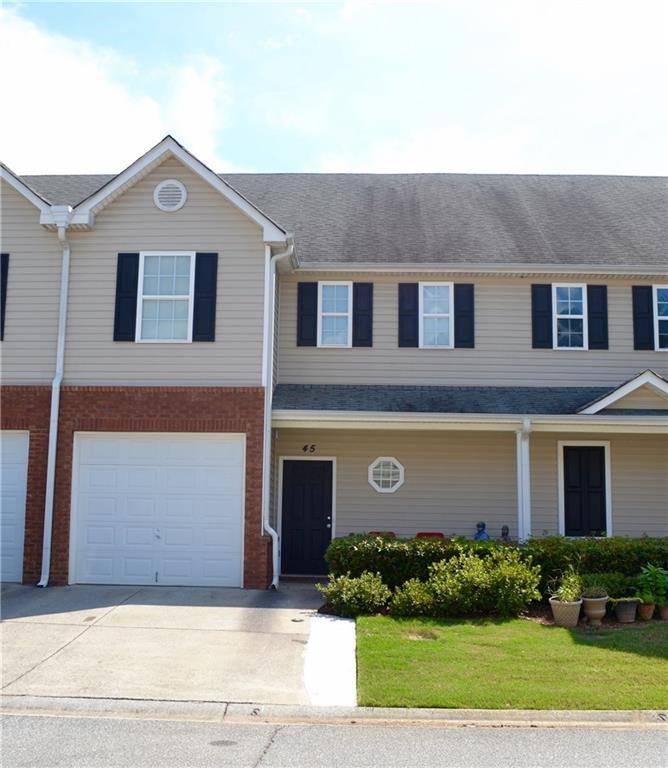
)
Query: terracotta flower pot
[
  {"x": 565, "y": 614},
  {"x": 594, "y": 609},
  {"x": 626, "y": 611},
  {"x": 646, "y": 611},
  {"x": 663, "y": 612}
]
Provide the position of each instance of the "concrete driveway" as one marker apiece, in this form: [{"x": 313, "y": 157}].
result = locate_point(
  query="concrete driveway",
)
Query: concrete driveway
[{"x": 184, "y": 643}]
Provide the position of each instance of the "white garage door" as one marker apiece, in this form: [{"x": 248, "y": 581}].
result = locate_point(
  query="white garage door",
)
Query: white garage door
[
  {"x": 158, "y": 509},
  {"x": 13, "y": 481}
]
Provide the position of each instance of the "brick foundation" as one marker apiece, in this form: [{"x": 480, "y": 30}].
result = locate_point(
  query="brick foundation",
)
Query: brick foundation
[
  {"x": 133, "y": 409},
  {"x": 27, "y": 408}
]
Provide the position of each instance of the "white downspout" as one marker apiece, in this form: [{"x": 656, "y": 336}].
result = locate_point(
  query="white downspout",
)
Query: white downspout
[
  {"x": 268, "y": 383},
  {"x": 62, "y": 215}
]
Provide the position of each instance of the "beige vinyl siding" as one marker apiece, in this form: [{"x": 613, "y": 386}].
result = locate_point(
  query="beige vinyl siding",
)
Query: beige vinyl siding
[
  {"x": 452, "y": 479},
  {"x": 642, "y": 399},
  {"x": 28, "y": 352},
  {"x": 502, "y": 356},
  {"x": 132, "y": 223},
  {"x": 275, "y": 349},
  {"x": 639, "y": 480}
]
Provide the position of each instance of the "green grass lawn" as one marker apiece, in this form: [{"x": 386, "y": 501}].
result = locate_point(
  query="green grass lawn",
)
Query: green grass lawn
[{"x": 510, "y": 664}]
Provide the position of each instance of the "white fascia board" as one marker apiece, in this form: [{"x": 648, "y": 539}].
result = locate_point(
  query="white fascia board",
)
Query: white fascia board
[
  {"x": 392, "y": 420},
  {"x": 646, "y": 379},
  {"x": 510, "y": 269},
  {"x": 294, "y": 419},
  {"x": 22, "y": 188},
  {"x": 272, "y": 233}
]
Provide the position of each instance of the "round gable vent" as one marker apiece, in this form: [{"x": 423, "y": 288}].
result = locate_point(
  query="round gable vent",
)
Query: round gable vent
[{"x": 170, "y": 195}]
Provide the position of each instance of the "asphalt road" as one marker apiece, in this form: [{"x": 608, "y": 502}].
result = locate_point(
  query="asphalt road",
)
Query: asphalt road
[{"x": 41, "y": 741}]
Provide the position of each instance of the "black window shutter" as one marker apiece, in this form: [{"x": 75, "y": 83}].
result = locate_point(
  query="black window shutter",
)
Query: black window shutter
[
  {"x": 541, "y": 316},
  {"x": 4, "y": 274},
  {"x": 409, "y": 307},
  {"x": 204, "y": 310},
  {"x": 362, "y": 314},
  {"x": 643, "y": 317},
  {"x": 597, "y": 316},
  {"x": 307, "y": 314},
  {"x": 125, "y": 315},
  {"x": 464, "y": 315}
]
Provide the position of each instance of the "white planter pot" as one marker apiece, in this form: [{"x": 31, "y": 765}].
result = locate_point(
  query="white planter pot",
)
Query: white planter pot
[{"x": 565, "y": 614}]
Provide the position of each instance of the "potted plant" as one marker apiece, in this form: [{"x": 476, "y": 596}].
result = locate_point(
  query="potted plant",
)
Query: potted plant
[
  {"x": 566, "y": 600},
  {"x": 646, "y": 606},
  {"x": 625, "y": 609},
  {"x": 654, "y": 580},
  {"x": 594, "y": 600}
]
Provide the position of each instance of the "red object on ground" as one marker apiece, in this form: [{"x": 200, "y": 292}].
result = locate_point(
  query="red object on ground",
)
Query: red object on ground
[{"x": 429, "y": 535}]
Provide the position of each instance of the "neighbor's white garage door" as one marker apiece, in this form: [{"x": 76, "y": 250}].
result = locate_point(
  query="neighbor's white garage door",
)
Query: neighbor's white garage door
[
  {"x": 13, "y": 482},
  {"x": 157, "y": 509}
]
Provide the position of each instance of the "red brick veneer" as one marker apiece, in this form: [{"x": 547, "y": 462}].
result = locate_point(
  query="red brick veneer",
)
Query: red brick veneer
[
  {"x": 27, "y": 408},
  {"x": 164, "y": 409}
]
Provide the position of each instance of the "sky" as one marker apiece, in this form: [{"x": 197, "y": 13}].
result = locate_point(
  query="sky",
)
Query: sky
[{"x": 466, "y": 86}]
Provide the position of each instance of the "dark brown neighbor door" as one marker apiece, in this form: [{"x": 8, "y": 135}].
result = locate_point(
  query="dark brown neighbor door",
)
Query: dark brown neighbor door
[
  {"x": 306, "y": 528},
  {"x": 584, "y": 490}
]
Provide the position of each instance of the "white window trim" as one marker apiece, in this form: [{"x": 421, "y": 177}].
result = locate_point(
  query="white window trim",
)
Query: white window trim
[
  {"x": 584, "y": 316},
  {"x": 140, "y": 297},
  {"x": 605, "y": 444},
  {"x": 348, "y": 314},
  {"x": 372, "y": 466},
  {"x": 450, "y": 315},
  {"x": 655, "y": 310}
]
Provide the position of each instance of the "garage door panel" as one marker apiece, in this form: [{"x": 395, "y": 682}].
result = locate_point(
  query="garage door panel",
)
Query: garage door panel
[
  {"x": 13, "y": 483},
  {"x": 179, "y": 513}
]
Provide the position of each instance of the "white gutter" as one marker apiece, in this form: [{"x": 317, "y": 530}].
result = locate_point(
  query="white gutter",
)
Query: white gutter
[
  {"x": 488, "y": 268},
  {"x": 268, "y": 383},
  {"x": 62, "y": 215}
]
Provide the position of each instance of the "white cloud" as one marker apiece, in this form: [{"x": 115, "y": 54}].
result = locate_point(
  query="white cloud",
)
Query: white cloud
[
  {"x": 449, "y": 149},
  {"x": 74, "y": 107}
]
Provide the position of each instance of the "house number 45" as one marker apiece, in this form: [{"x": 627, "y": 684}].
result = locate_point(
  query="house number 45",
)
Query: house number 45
[{"x": 309, "y": 448}]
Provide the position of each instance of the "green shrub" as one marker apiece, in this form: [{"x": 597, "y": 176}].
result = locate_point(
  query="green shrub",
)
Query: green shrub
[
  {"x": 569, "y": 587},
  {"x": 617, "y": 554},
  {"x": 616, "y": 585},
  {"x": 355, "y": 596},
  {"x": 654, "y": 581},
  {"x": 498, "y": 583},
  {"x": 413, "y": 598},
  {"x": 399, "y": 560}
]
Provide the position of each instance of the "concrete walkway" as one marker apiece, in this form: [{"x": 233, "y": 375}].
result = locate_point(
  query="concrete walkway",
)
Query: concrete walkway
[{"x": 180, "y": 644}]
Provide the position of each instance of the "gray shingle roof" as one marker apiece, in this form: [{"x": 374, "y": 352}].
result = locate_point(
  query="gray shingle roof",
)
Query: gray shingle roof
[
  {"x": 430, "y": 399},
  {"x": 449, "y": 218}
]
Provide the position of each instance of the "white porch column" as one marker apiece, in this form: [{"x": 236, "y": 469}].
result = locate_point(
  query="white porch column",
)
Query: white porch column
[{"x": 523, "y": 454}]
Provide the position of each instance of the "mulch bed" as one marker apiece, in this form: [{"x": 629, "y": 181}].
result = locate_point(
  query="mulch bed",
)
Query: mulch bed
[{"x": 539, "y": 613}]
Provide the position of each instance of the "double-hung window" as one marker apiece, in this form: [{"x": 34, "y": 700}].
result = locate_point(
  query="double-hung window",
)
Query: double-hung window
[
  {"x": 335, "y": 326},
  {"x": 165, "y": 296},
  {"x": 661, "y": 317},
  {"x": 569, "y": 316},
  {"x": 436, "y": 315}
]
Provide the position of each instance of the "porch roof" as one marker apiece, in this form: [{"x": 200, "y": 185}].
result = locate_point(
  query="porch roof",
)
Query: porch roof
[{"x": 434, "y": 399}]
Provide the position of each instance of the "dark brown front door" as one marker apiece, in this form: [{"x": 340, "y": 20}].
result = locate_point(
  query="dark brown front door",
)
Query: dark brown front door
[
  {"x": 306, "y": 528},
  {"x": 584, "y": 490}
]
